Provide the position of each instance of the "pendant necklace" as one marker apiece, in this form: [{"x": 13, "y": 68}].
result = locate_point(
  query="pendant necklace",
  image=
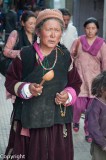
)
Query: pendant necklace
[
  {"x": 62, "y": 112},
  {"x": 47, "y": 69}
]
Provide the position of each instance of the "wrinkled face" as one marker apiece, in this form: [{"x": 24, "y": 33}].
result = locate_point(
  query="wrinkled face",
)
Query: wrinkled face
[
  {"x": 29, "y": 25},
  {"x": 50, "y": 33},
  {"x": 91, "y": 30},
  {"x": 66, "y": 19}
]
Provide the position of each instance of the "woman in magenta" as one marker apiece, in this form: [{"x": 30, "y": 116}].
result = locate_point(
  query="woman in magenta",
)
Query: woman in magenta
[
  {"x": 90, "y": 60},
  {"x": 41, "y": 126}
]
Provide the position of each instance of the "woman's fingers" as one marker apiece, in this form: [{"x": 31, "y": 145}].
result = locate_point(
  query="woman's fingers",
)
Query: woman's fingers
[
  {"x": 61, "y": 97},
  {"x": 35, "y": 89}
]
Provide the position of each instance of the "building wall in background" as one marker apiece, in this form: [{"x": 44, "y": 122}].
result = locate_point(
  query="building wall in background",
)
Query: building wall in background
[
  {"x": 59, "y": 4},
  {"x": 104, "y": 20},
  {"x": 83, "y": 9},
  {"x": 69, "y": 6}
]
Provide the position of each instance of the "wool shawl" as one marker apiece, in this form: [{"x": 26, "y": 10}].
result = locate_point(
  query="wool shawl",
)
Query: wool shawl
[{"x": 94, "y": 48}]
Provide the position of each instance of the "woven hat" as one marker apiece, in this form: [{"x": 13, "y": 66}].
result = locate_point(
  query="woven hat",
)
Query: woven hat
[{"x": 49, "y": 13}]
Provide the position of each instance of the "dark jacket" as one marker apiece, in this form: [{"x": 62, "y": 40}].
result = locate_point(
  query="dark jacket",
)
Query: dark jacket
[
  {"x": 10, "y": 21},
  {"x": 42, "y": 111}
]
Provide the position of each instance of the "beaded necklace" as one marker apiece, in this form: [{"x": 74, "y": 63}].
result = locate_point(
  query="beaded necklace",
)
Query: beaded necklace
[
  {"x": 52, "y": 65},
  {"x": 62, "y": 112}
]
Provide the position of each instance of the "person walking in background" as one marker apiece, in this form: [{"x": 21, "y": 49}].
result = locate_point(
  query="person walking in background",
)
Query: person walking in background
[
  {"x": 2, "y": 18},
  {"x": 23, "y": 37},
  {"x": 10, "y": 20},
  {"x": 20, "y": 38},
  {"x": 96, "y": 115},
  {"x": 90, "y": 60},
  {"x": 25, "y": 8},
  {"x": 42, "y": 111},
  {"x": 70, "y": 31},
  {"x": 37, "y": 10}
]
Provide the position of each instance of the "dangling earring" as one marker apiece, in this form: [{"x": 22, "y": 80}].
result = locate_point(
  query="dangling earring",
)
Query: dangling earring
[{"x": 38, "y": 40}]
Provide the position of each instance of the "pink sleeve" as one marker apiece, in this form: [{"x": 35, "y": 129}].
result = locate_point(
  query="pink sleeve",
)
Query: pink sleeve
[
  {"x": 74, "y": 48},
  {"x": 72, "y": 92},
  {"x": 9, "y": 47},
  {"x": 102, "y": 54}
]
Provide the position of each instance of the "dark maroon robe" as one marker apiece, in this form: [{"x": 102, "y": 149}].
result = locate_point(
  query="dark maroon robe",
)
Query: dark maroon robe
[{"x": 44, "y": 143}]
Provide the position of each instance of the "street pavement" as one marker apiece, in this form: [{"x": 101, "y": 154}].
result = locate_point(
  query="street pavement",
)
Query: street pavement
[{"x": 81, "y": 147}]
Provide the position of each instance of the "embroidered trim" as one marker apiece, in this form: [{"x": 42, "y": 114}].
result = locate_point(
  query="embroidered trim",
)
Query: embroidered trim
[{"x": 16, "y": 87}]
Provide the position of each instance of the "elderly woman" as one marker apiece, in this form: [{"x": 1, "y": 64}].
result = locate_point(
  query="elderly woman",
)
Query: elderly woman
[{"x": 41, "y": 127}]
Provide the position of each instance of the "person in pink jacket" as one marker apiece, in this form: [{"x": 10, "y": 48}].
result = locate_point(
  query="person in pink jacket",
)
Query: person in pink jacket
[
  {"x": 89, "y": 54},
  {"x": 18, "y": 39}
]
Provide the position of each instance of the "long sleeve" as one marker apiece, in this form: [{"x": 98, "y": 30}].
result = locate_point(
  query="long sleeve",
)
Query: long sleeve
[
  {"x": 13, "y": 76},
  {"x": 103, "y": 56},
  {"x": 9, "y": 47},
  {"x": 97, "y": 124},
  {"x": 74, "y": 79},
  {"x": 13, "y": 82},
  {"x": 74, "y": 48}
]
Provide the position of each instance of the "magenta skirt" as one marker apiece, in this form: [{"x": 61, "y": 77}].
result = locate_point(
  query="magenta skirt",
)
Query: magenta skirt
[{"x": 43, "y": 144}]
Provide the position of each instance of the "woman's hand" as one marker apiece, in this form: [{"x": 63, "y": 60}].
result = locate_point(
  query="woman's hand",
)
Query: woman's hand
[
  {"x": 61, "y": 97},
  {"x": 35, "y": 89}
]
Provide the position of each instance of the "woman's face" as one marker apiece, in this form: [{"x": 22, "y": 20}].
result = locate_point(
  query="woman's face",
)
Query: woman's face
[
  {"x": 50, "y": 33},
  {"x": 91, "y": 30},
  {"x": 29, "y": 25}
]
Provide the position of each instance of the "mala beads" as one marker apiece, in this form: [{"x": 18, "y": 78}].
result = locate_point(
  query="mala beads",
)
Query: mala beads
[{"x": 62, "y": 112}]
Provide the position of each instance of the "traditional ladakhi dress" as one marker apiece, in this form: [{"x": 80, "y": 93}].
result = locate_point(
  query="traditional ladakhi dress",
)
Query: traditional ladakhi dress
[
  {"x": 38, "y": 130},
  {"x": 96, "y": 114},
  {"x": 89, "y": 61}
]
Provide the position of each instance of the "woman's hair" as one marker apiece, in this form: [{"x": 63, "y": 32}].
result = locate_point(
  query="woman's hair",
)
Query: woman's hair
[
  {"x": 91, "y": 20},
  {"x": 26, "y": 15},
  {"x": 99, "y": 84},
  {"x": 39, "y": 26}
]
